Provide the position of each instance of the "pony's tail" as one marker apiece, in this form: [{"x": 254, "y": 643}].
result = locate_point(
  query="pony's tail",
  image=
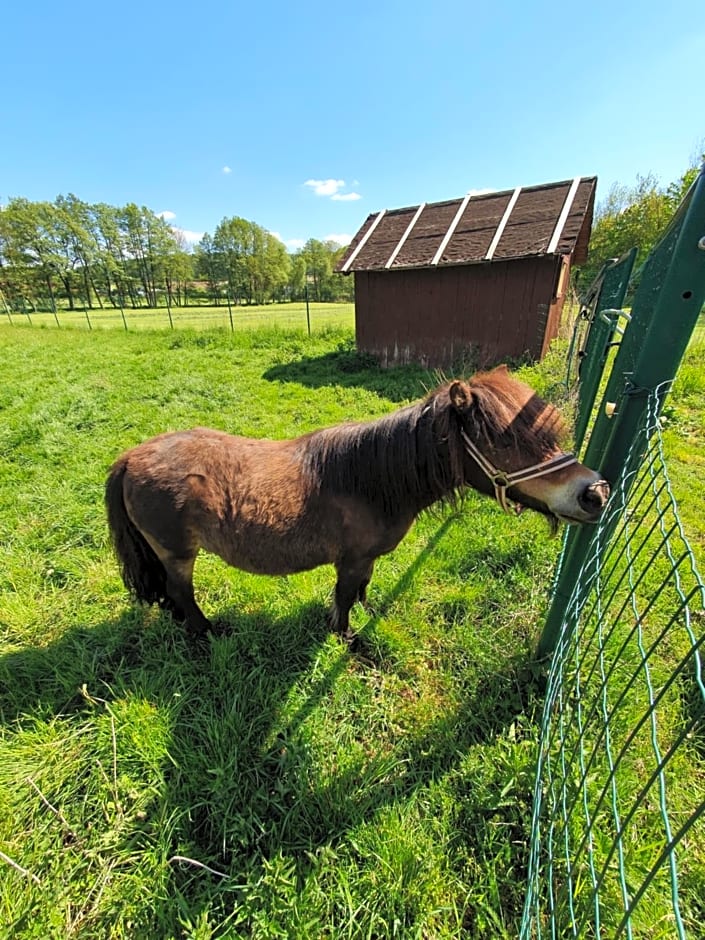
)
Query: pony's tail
[{"x": 143, "y": 573}]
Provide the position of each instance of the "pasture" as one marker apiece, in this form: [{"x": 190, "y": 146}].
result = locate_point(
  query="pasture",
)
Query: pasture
[
  {"x": 269, "y": 783},
  {"x": 291, "y": 316}
]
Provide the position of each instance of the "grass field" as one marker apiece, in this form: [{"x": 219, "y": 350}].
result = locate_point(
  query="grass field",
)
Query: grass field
[
  {"x": 286, "y": 316},
  {"x": 272, "y": 784}
]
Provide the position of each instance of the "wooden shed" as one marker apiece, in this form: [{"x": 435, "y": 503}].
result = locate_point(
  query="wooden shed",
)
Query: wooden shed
[{"x": 485, "y": 274}]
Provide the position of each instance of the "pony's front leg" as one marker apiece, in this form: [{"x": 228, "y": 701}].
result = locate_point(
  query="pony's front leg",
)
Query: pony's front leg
[{"x": 350, "y": 587}]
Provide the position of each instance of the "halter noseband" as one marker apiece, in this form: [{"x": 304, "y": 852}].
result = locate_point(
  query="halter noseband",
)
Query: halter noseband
[{"x": 502, "y": 480}]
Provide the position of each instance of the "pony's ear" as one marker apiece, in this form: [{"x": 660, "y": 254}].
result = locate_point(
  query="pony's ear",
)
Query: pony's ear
[
  {"x": 461, "y": 395},
  {"x": 502, "y": 367}
]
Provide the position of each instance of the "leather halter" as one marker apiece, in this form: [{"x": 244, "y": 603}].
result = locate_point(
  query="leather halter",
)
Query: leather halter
[{"x": 501, "y": 480}]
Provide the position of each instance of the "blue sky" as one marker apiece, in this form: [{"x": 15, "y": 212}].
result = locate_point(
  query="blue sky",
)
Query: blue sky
[{"x": 307, "y": 117}]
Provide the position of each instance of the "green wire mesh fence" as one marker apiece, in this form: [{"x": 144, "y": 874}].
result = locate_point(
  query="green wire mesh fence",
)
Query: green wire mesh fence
[
  {"x": 616, "y": 850},
  {"x": 618, "y": 841}
]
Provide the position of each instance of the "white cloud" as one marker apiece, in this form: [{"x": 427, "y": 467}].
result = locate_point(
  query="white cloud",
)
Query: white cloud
[
  {"x": 480, "y": 192},
  {"x": 332, "y": 189},
  {"x": 226, "y": 170},
  {"x": 345, "y": 197},
  {"x": 188, "y": 235},
  {"x": 340, "y": 239},
  {"x": 167, "y": 215},
  {"x": 325, "y": 187},
  {"x": 293, "y": 243}
]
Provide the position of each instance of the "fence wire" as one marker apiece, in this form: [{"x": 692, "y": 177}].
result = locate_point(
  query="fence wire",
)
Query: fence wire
[{"x": 615, "y": 846}]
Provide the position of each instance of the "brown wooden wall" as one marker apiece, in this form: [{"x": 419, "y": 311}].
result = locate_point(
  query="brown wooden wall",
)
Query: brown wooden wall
[{"x": 505, "y": 309}]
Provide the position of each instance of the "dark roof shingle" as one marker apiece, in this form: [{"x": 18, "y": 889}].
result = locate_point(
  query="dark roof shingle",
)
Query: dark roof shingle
[{"x": 554, "y": 218}]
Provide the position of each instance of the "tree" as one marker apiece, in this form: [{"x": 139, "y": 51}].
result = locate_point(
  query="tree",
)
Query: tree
[
  {"x": 297, "y": 277},
  {"x": 231, "y": 241},
  {"x": 29, "y": 247},
  {"x": 178, "y": 268},
  {"x": 73, "y": 226},
  {"x": 631, "y": 217},
  {"x": 252, "y": 261},
  {"x": 320, "y": 259},
  {"x": 272, "y": 266},
  {"x": 149, "y": 240},
  {"x": 111, "y": 262},
  {"x": 208, "y": 265}
]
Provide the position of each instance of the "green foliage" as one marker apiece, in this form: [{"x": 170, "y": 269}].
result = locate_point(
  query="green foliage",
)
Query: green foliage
[
  {"x": 253, "y": 263},
  {"x": 632, "y": 216},
  {"x": 87, "y": 255},
  {"x": 320, "y": 259}
]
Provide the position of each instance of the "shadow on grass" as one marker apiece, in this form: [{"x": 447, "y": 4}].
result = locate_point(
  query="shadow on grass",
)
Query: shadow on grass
[
  {"x": 247, "y": 780},
  {"x": 350, "y": 369}
]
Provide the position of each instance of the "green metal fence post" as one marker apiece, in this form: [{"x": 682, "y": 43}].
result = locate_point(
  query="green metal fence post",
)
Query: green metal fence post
[
  {"x": 613, "y": 288},
  {"x": 230, "y": 313},
  {"x": 597, "y": 350},
  {"x": 665, "y": 310}
]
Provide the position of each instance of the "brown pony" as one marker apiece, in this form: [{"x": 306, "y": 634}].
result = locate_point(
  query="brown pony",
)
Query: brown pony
[{"x": 343, "y": 495}]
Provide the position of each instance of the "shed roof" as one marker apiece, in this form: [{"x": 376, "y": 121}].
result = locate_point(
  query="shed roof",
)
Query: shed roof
[{"x": 551, "y": 219}]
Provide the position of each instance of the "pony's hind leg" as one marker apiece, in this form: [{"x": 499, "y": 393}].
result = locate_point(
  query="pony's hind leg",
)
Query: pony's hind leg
[
  {"x": 179, "y": 589},
  {"x": 179, "y": 599}
]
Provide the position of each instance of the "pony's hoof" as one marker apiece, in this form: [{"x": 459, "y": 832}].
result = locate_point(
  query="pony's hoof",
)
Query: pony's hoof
[
  {"x": 200, "y": 629},
  {"x": 351, "y": 640},
  {"x": 220, "y": 628}
]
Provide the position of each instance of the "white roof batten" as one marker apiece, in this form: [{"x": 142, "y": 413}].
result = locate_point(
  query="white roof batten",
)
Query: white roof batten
[
  {"x": 567, "y": 205},
  {"x": 363, "y": 240},
  {"x": 451, "y": 228},
  {"x": 404, "y": 237},
  {"x": 502, "y": 224}
]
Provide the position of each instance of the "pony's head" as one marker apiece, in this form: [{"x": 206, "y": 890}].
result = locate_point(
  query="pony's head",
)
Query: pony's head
[{"x": 511, "y": 450}]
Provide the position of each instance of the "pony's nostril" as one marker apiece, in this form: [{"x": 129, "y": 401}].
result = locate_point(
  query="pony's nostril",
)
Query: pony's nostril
[{"x": 593, "y": 497}]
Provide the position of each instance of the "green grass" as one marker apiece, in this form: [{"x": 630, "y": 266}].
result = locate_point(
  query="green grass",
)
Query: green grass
[
  {"x": 272, "y": 784},
  {"x": 684, "y": 441},
  {"x": 286, "y": 316}
]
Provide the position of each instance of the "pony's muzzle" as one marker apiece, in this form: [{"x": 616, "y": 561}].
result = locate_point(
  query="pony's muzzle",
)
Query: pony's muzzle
[{"x": 593, "y": 498}]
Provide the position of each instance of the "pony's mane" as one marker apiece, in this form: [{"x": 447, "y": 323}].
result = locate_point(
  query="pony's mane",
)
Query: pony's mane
[
  {"x": 537, "y": 428},
  {"x": 395, "y": 462},
  {"x": 415, "y": 456}
]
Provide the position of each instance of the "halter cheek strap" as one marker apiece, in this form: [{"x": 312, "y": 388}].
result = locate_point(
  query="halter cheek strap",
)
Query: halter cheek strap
[{"x": 502, "y": 480}]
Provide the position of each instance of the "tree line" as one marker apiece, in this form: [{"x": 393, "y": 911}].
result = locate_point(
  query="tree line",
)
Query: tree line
[
  {"x": 69, "y": 252},
  {"x": 77, "y": 254}
]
